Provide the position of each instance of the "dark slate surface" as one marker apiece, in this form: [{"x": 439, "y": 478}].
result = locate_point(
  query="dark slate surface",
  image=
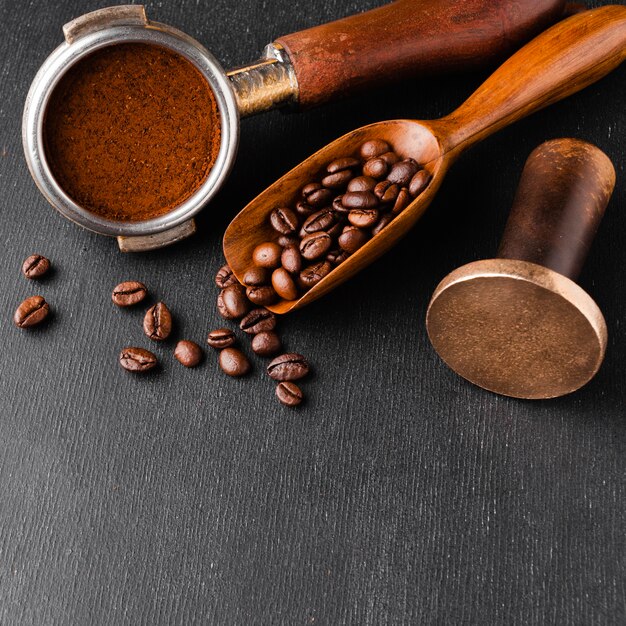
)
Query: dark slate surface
[{"x": 399, "y": 494}]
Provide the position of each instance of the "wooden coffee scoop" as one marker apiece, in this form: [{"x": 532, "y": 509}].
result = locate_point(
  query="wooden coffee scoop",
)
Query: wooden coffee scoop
[
  {"x": 518, "y": 325},
  {"x": 561, "y": 61}
]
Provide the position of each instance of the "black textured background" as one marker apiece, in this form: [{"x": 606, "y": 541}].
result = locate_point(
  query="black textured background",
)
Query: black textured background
[{"x": 399, "y": 494}]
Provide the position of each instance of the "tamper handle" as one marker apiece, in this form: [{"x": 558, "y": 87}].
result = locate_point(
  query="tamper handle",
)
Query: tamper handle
[{"x": 565, "y": 188}]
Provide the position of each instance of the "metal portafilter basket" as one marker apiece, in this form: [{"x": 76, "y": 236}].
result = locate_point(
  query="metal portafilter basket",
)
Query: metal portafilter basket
[{"x": 300, "y": 70}]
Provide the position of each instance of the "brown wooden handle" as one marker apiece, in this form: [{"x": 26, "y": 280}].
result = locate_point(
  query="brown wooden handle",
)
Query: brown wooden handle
[
  {"x": 561, "y": 61},
  {"x": 410, "y": 37},
  {"x": 564, "y": 190}
]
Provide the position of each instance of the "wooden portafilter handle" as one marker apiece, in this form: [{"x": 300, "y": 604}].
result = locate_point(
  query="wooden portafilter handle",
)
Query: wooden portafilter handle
[{"x": 565, "y": 188}]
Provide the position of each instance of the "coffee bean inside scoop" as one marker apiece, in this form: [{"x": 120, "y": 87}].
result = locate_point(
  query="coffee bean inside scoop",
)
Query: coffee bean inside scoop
[{"x": 352, "y": 200}]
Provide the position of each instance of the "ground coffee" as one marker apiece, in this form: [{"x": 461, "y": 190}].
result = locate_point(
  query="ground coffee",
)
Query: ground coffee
[{"x": 132, "y": 131}]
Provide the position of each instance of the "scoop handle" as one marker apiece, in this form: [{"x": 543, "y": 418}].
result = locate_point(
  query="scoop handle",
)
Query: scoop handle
[
  {"x": 561, "y": 61},
  {"x": 409, "y": 38}
]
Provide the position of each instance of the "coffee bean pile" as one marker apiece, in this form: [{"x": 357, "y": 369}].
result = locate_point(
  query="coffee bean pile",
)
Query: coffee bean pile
[
  {"x": 354, "y": 200},
  {"x": 157, "y": 325},
  {"x": 34, "y": 309},
  {"x": 245, "y": 305}
]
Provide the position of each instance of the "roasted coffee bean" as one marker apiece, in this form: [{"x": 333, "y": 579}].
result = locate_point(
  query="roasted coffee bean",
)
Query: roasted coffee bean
[
  {"x": 373, "y": 148},
  {"x": 157, "y": 322},
  {"x": 263, "y": 295},
  {"x": 341, "y": 164},
  {"x": 234, "y": 302},
  {"x": 376, "y": 168},
  {"x": 137, "y": 360},
  {"x": 402, "y": 172},
  {"x": 221, "y": 338},
  {"x": 304, "y": 209},
  {"x": 419, "y": 182},
  {"x": 35, "y": 266},
  {"x": 234, "y": 362},
  {"x": 310, "y": 276},
  {"x": 352, "y": 239},
  {"x": 313, "y": 246},
  {"x": 382, "y": 222},
  {"x": 338, "y": 207},
  {"x": 360, "y": 200},
  {"x": 402, "y": 201},
  {"x": 266, "y": 343},
  {"x": 256, "y": 276},
  {"x": 257, "y": 321},
  {"x": 363, "y": 218},
  {"x": 31, "y": 312},
  {"x": 284, "y": 221},
  {"x": 322, "y": 220},
  {"x": 267, "y": 254},
  {"x": 361, "y": 183},
  {"x": 389, "y": 158},
  {"x": 188, "y": 353},
  {"x": 336, "y": 230},
  {"x": 386, "y": 191},
  {"x": 225, "y": 277},
  {"x": 129, "y": 293},
  {"x": 338, "y": 180},
  {"x": 336, "y": 257},
  {"x": 289, "y": 394},
  {"x": 291, "y": 240},
  {"x": 291, "y": 259},
  {"x": 284, "y": 285},
  {"x": 289, "y": 366},
  {"x": 316, "y": 196}
]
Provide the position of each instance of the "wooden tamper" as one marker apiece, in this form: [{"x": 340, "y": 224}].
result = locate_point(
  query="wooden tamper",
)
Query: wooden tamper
[{"x": 519, "y": 325}]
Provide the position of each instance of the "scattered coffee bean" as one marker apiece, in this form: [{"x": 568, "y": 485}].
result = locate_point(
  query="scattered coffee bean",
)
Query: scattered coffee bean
[
  {"x": 234, "y": 362},
  {"x": 291, "y": 259},
  {"x": 390, "y": 158},
  {"x": 129, "y": 293},
  {"x": 256, "y": 276},
  {"x": 284, "y": 285},
  {"x": 338, "y": 180},
  {"x": 267, "y": 255},
  {"x": 352, "y": 239},
  {"x": 221, "y": 338},
  {"x": 314, "y": 245},
  {"x": 289, "y": 366},
  {"x": 225, "y": 277},
  {"x": 336, "y": 257},
  {"x": 338, "y": 207},
  {"x": 284, "y": 221},
  {"x": 290, "y": 240},
  {"x": 235, "y": 304},
  {"x": 31, "y": 312},
  {"x": 35, "y": 266},
  {"x": 361, "y": 183},
  {"x": 266, "y": 343},
  {"x": 310, "y": 276},
  {"x": 263, "y": 295},
  {"x": 137, "y": 360},
  {"x": 342, "y": 164},
  {"x": 402, "y": 201},
  {"x": 258, "y": 320},
  {"x": 363, "y": 218},
  {"x": 188, "y": 353},
  {"x": 374, "y": 148},
  {"x": 419, "y": 182},
  {"x": 402, "y": 172},
  {"x": 157, "y": 323},
  {"x": 289, "y": 394}
]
